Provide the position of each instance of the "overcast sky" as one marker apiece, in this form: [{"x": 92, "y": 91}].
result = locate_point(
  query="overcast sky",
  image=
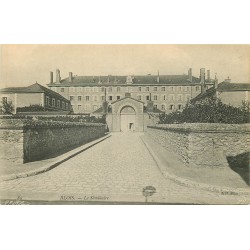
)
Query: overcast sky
[{"x": 22, "y": 65}]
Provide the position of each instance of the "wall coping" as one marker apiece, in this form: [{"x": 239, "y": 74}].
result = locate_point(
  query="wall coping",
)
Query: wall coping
[
  {"x": 204, "y": 127},
  {"x": 26, "y": 124}
]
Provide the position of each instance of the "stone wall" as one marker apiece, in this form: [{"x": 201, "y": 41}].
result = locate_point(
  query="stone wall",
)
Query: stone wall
[
  {"x": 25, "y": 141},
  {"x": 202, "y": 144}
]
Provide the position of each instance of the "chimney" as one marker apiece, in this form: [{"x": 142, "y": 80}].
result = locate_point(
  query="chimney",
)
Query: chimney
[
  {"x": 58, "y": 77},
  {"x": 51, "y": 77},
  {"x": 202, "y": 80},
  {"x": 228, "y": 80},
  {"x": 215, "y": 81},
  {"x": 202, "y": 75},
  {"x": 190, "y": 77},
  {"x": 70, "y": 77},
  {"x": 158, "y": 77},
  {"x": 208, "y": 75}
]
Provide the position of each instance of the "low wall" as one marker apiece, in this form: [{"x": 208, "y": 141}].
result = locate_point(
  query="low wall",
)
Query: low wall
[
  {"x": 203, "y": 144},
  {"x": 25, "y": 140}
]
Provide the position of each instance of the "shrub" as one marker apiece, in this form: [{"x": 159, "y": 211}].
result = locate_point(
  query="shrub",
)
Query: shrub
[
  {"x": 209, "y": 111},
  {"x": 7, "y": 108}
]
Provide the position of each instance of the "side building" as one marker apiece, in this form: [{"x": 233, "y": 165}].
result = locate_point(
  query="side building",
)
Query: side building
[
  {"x": 167, "y": 92},
  {"x": 233, "y": 94},
  {"x": 35, "y": 95}
]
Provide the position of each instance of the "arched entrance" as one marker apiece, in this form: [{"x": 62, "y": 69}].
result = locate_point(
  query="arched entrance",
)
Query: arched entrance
[{"x": 128, "y": 119}]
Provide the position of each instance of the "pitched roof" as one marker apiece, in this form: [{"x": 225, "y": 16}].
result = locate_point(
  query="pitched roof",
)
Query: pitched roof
[
  {"x": 34, "y": 88},
  {"x": 121, "y": 80},
  {"x": 98, "y": 111},
  {"x": 225, "y": 86},
  {"x": 126, "y": 97}
]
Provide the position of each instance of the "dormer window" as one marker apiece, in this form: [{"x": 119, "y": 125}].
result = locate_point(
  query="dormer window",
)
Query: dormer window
[{"x": 129, "y": 79}]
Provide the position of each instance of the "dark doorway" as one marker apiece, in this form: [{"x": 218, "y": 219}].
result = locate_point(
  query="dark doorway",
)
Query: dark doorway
[{"x": 131, "y": 126}]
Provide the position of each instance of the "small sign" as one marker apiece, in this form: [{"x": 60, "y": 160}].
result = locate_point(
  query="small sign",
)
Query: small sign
[{"x": 148, "y": 191}]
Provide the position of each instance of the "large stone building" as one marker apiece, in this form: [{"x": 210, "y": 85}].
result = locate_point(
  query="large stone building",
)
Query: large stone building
[{"x": 130, "y": 99}]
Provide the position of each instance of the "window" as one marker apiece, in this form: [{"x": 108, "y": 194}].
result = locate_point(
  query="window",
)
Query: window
[
  {"x": 155, "y": 97},
  {"x": 172, "y": 97},
  {"x": 62, "y": 89},
  {"x": 163, "y": 107},
  {"x": 171, "y": 88},
  {"x": 47, "y": 100},
  {"x": 163, "y": 88},
  {"x": 179, "y": 88},
  {"x": 79, "y": 98},
  {"x": 164, "y": 98},
  {"x": 155, "y": 88},
  {"x": 147, "y": 97},
  {"x": 139, "y": 89},
  {"x": 102, "y": 89},
  {"x": 139, "y": 97},
  {"x": 71, "y": 98},
  {"x": 95, "y": 107},
  {"x": 155, "y": 106},
  {"x": 58, "y": 103},
  {"x": 110, "y": 98},
  {"x": 180, "y": 97},
  {"x": 87, "y": 98},
  {"x": 63, "y": 105},
  {"x": 179, "y": 107},
  {"x": 118, "y": 89},
  {"x": 87, "y": 107},
  {"x": 110, "y": 89},
  {"x": 171, "y": 107},
  {"x": 103, "y": 97},
  {"x": 67, "y": 106},
  {"x": 187, "y": 97},
  {"x": 53, "y": 102},
  {"x": 79, "y": 107},
  {"x": 118, "y": 97},
  {"x": 197, "y": 88},
  {"x": 147, "y": 88}
]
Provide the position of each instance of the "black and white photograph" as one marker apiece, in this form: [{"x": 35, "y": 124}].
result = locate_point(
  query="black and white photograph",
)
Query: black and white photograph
[{"x": 125, "y": 124}]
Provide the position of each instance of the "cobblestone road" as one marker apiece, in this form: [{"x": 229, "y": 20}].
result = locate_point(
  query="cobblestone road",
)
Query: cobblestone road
[{"x": 116, "y": 169}]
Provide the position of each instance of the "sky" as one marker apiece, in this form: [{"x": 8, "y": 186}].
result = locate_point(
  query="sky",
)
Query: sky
[{"x": 22, "y": 65}]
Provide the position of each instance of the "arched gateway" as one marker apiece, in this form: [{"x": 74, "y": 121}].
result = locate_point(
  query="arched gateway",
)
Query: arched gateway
[
  {"x": 127, "y": 115},
  {"x": 127, "y": 119}
]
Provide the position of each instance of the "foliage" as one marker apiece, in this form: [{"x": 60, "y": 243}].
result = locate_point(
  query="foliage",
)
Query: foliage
[
  {"x": 7, "y": 108},
  {"x": 209, "y": 111},
  {"x": 64, "y": 118},
  {"x": 31, "y": 108}
]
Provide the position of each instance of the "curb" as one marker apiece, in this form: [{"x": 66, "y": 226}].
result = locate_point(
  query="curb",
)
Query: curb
[
  {"x": 189, "y": 183},
  {"x": 54, "y": 164}
]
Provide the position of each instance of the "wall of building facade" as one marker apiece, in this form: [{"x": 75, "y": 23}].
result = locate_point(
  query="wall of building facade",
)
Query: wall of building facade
[
  {"x": 86, "y": 99},
  {"x": 203, "y": 145},
  {"x": 234, "y": 98},
  {"x": 25, "y": 141}
]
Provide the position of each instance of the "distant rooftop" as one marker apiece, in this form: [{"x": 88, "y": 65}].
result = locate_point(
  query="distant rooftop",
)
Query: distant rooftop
[{"x": 117, "y": 80}]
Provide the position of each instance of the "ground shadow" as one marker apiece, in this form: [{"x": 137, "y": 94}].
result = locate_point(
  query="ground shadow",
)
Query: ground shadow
[{"x": 241, "y": 165}]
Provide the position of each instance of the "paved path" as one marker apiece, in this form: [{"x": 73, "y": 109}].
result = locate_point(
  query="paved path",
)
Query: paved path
[{"x": 116, "y": 169}]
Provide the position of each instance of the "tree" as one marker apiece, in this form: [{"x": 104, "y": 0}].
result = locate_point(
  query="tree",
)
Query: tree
[{"x": 7, "y": 107}]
